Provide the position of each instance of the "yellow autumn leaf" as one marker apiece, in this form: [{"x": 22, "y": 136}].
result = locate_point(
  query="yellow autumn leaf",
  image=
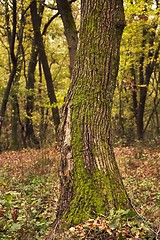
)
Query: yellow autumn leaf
[{"x": 142, "y": 85}]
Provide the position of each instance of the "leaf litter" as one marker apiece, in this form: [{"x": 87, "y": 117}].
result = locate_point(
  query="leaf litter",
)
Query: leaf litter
[{"x": 139, "y": 168}]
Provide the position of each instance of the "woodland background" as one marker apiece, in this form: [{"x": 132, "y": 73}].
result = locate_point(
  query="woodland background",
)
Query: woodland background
[{"x": 27, "y": 104}]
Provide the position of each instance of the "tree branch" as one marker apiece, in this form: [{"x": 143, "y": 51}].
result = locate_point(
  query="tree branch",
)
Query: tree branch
[{"x": 53, "y": 17}]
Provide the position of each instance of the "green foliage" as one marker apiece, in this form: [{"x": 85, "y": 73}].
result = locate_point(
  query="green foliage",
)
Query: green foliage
[
  {"x": 138, "y": 50},
  {"x": 28, "y": 203},
  {"x": 29, "y": 192},
  {"x": 120, "y": 224},
  {"x": 26, "y": 212},
  {"x": 128, "y": 220},
  {"x": 141, "y": 17},
  {"x": 57, "y": 53}
]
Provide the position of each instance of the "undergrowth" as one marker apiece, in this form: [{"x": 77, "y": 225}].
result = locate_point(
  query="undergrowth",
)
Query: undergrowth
[
  {"x": 28, "y": 194},
  {"x": 29, "y": 191},
  {"x": 119, "y": 225}
]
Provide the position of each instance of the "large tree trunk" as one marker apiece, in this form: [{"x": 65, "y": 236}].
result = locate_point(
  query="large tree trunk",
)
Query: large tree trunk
[{"x": 90, "y": 180}]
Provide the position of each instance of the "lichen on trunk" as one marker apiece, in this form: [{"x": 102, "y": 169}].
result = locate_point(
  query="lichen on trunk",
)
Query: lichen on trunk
[{"x": 89, "y": 176}]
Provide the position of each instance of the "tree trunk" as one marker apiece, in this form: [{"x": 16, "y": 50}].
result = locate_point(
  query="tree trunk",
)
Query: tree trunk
[
  {"x": 15, "y": 51},
  {"x": 43, "y": 57},
  {"x": 64, "y": 9},
  {"x": 142, "y": 100},
  {"x": 44, "y": 112},
  {"x": 14, "y": 123},
  {"x": 6, "y": 94},
  {"x": 90, "y": 180},
  {"x": 30, "y": 135},
  {"x": 11, "y": 40},
  {"x": 15, "y": 117},
  {"x": 145, "y": 73}
]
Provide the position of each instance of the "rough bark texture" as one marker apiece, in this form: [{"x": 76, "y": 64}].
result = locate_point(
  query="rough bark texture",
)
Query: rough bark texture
[{"x": 89, "y": 176}]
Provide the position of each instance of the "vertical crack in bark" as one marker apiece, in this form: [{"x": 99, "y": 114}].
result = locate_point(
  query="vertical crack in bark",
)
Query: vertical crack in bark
[
  {"x": 88, "y": 146},
  {"x": 65, "y": 138}
]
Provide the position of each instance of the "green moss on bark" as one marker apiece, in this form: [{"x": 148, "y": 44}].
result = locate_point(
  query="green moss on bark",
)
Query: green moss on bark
[
  {"x": 94, "y": 193},
  {"x": 94, "y": 179}
]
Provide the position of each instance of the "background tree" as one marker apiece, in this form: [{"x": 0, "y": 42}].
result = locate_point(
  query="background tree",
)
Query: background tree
[
  {"x": 28, "y": 114},
  {"x": 34, "y": 108},
  {"x": 139, "y": 63},
  {"x": 36, "y": 18},
  {"x": 14, "y": 52},
  {"x": 64, "y": 8}
]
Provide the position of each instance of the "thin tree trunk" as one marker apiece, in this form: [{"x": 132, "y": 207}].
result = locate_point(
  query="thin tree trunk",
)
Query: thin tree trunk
[
  {"x": 145, "y": 73},
  {"x": 154, "y": 110},
  {"x": 121, "y": 111},
  {"x": 134, "y": 93},
  {"x": 64, "y": 8},
  {"x": 14, "y": 56},
  {"x": 14, "y": 123},
  {"x": 30, "y": 135},
  {"x": 11, "y": 41},
  {"x": 15, "y": 117},
  {"x": 43, "y": 57},
  {"x": 6, "y": 95},
  {"x": 141, "y": 106},
  {"x": 44, "y": 111}
]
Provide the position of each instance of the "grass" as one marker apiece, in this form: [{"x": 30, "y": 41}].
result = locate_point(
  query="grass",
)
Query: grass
[{"x": 29, "y": 190}]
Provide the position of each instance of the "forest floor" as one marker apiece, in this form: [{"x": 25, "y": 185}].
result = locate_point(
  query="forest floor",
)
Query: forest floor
[{"x": 29, "y": 191}]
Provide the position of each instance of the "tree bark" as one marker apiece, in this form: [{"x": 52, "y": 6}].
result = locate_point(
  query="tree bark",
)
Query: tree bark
[
  {"x": 64, "y": 8},
  {"x": 90, "y": 182},
  {"x": 30, "y": 135},
  {"x": 15, "y": 116},
  {"x": 14, "y": 123}
]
